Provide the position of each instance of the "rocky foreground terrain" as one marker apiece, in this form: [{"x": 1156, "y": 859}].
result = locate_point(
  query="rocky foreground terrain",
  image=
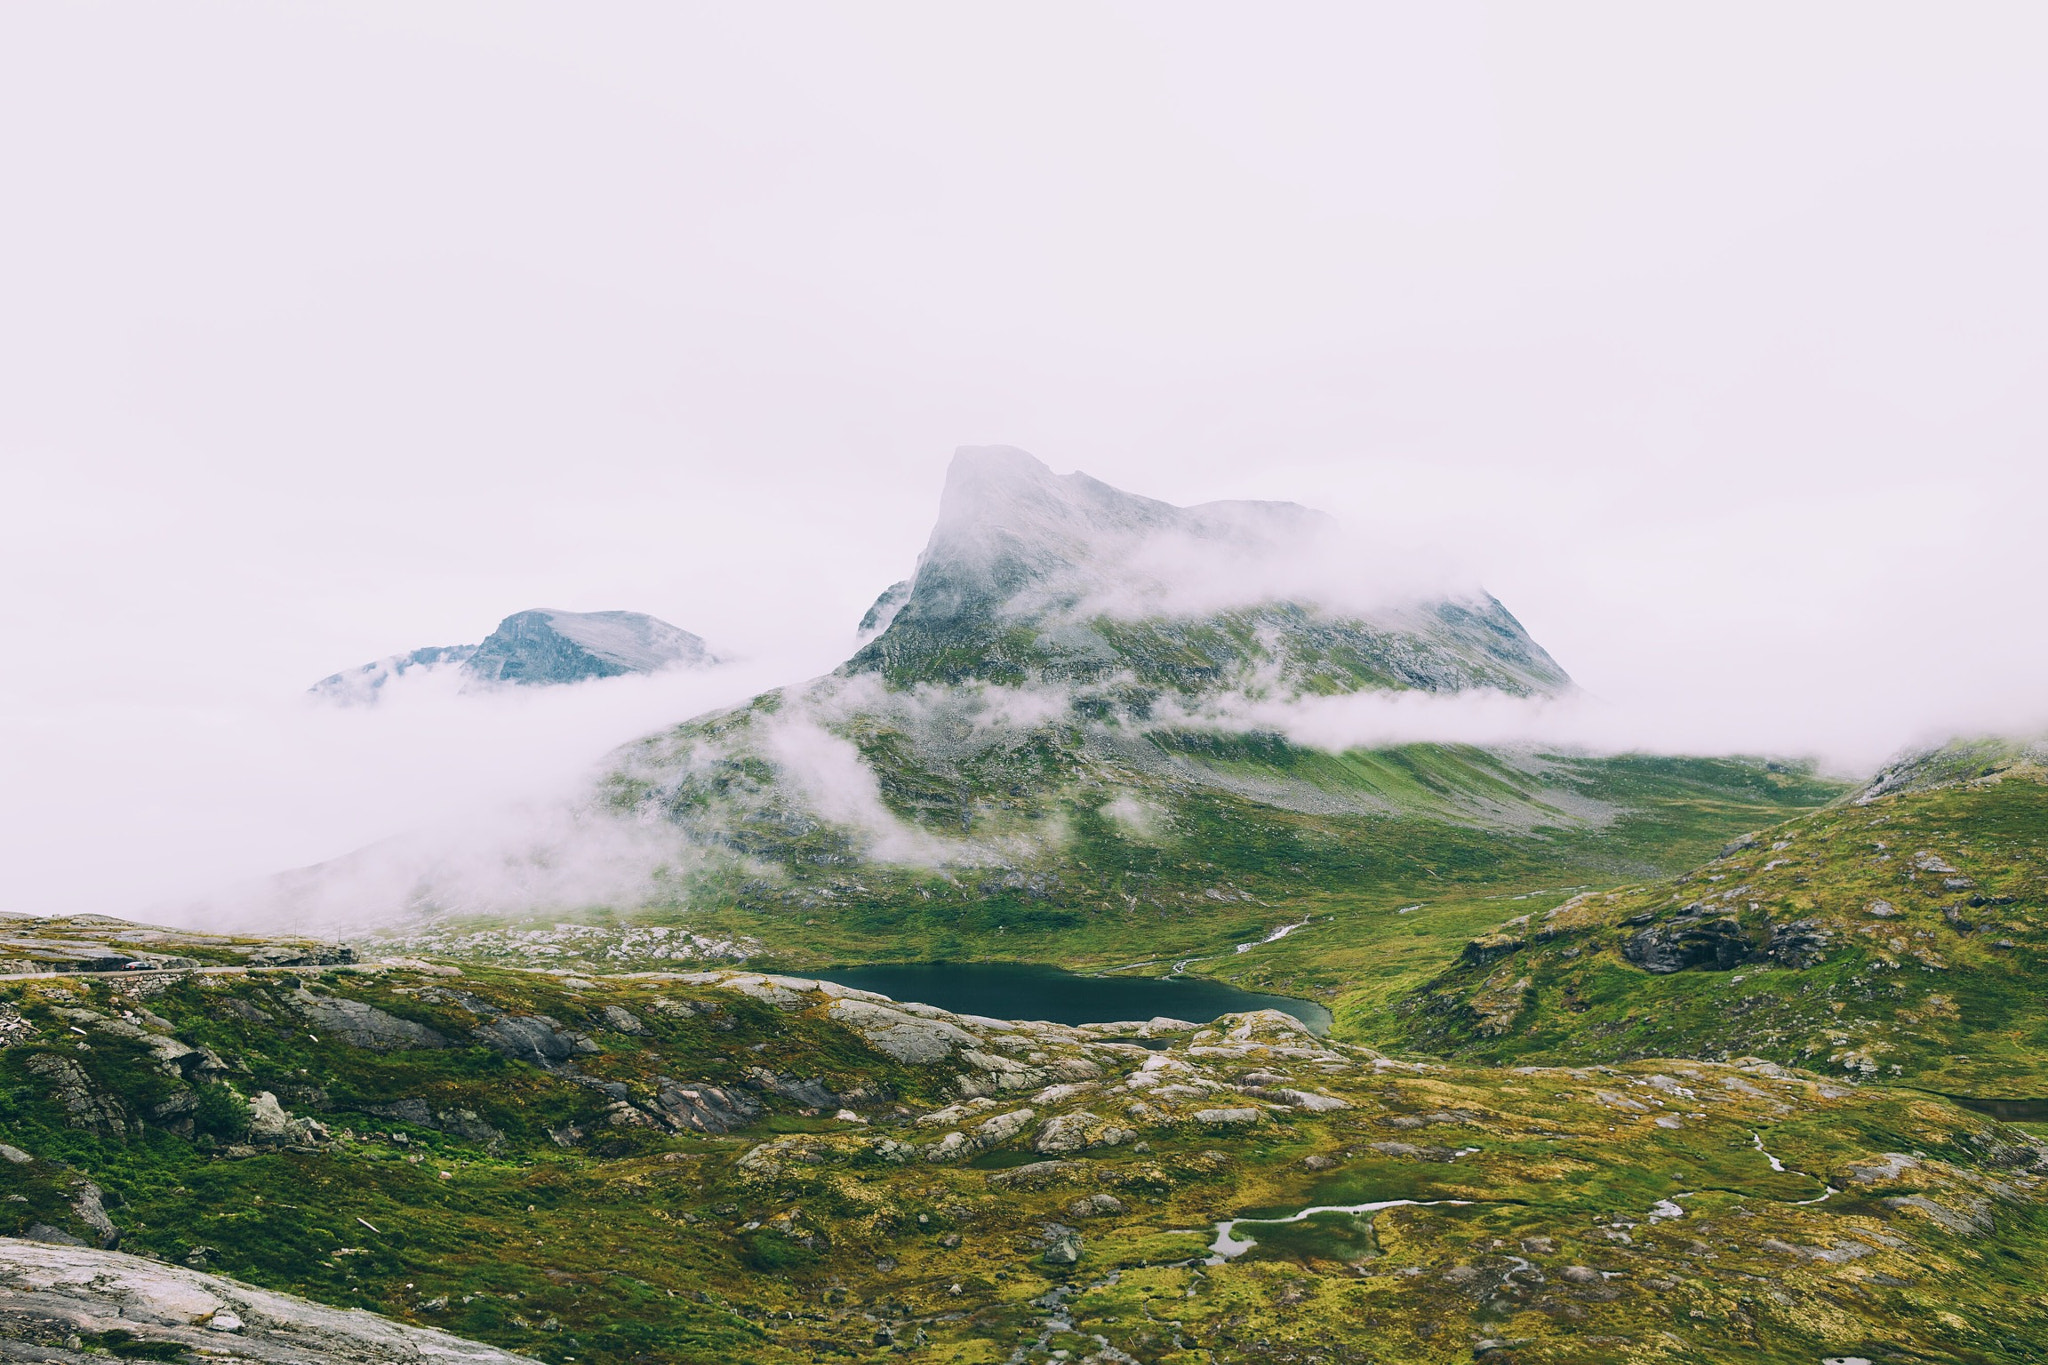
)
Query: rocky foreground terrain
[
  {"x": 722, "y": 1165},
  {"x": 73, "y": 1305}
]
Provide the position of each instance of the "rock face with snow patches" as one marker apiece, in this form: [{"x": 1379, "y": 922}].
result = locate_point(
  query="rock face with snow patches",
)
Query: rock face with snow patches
[{"x": 534, "y": 648}]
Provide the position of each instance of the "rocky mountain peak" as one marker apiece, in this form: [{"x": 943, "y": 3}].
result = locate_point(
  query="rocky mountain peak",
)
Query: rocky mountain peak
[
  {"x": 536, "y": 647},
  {"x": 548, "y": 646},
  {"x": 1008, "y": 523},
  {"x": 1062, "y": 577}
]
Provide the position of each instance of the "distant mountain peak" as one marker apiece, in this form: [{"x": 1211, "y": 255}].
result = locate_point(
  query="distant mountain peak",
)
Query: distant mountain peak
[
  {"x": 543, "y": 646},
  {"x": 538, "y": 647}
]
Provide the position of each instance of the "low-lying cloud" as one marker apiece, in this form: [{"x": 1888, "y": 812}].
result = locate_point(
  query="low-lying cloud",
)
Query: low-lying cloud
[
  {"x": 483, "y": 802},
  {"x": 1832, "y": 730},
  {"x": 174, "y": 810}
]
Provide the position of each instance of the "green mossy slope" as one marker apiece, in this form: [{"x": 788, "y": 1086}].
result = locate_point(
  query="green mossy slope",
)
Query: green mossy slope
[
  {"x": 1902, "y": 936},
  {"x": 1596, "y": 1214}
]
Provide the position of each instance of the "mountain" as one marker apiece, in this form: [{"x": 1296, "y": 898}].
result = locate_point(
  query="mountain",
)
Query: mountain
[
  {"x": 1035, "y": 577},
  {"x": 724, "y": 1166},
  {"x": 1066, "y": 740},
  {"x": 1070, "y": 738},
  {"x": 541, "y": 647},
  {"x": 536, "y": 648},
  {"x": 364, "y": 685},
  {"x": 1629, "y": 1057},
  {"x": 1899, "y": 933}
]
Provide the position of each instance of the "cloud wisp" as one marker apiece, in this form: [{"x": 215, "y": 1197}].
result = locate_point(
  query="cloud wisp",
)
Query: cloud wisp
[{"x": 148, "y": 808}]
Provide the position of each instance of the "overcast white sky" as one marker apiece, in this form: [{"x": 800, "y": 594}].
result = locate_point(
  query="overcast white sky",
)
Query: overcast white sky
[{"x": 1711, "y": 339}]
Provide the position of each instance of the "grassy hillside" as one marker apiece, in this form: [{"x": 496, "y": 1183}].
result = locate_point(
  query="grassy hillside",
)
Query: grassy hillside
[
  {"x": 736, "y": 1168},
  {"x": 999, "y": 832},
  {"x": 1902, "y": 936}
]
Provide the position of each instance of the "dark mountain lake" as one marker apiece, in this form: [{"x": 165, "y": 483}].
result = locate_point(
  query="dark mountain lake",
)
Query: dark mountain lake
[
  {"x": 2026, "y": 1111},
  {"x": 1008, "y": 990}
]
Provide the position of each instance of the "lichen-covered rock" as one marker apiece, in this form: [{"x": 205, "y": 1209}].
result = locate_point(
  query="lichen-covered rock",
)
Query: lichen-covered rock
[
  {"x": 1496, "y": 1007},
  {"x": 301, "y": 953},
  {"x": 84, "y": 1104},
  {"x": 534, "y": 1038},
  {"x": 773, "y": 1158},
  {"x": 269, "y": 1122},
  {"x": 622, "y": 1020},
  {"x": 1002, "y": 1127},
  {"x": 1689, "y": 939},
  {"x": 364, "y": 1025},
  {"x": 1079, "y": 1131},
  {"x": 1095, "y": 1206},
  {"x": 1039, "y": 1174},
  {"x": 951, "y": 1147},
  {"x": 705, "y": 1108},
  {"x": 811, "y": 1092},
  {"x": 784, "y": 992},
  {"x": 1973, "y": 1222},
  {"x": 1062, "y": 1245},
  {"x": 1314, "y": 1102},
  {"x": 465, "y": 1123},
  {"x": 1490, "y": 948},
  {"x": 1888, "y": 1167},
  {"x": 992, "y": 1073},
  {"x": 1231, "y": 1117},
  {"x": 1265, "y": 1026},
  {"x": 991, "y": 1132},
  {"x": 901, "y": 1035},
  {"x": 1802, "y": 943}
]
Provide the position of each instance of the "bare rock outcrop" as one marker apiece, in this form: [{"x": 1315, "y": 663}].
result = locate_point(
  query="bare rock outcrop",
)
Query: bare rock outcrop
[
  {"x": 535, "y": 1038},
  {"x": 705, "y": 1108},
  {"x": 52, "y": 1294},
  {"x": 363, "y": 1025}
]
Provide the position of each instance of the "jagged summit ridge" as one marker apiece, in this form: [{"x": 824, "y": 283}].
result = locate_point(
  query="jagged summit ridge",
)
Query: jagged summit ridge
[
  {"x": 537, "y": 647},
  {"x": 1007, "y": 524},
  {"x": 1030, "y": 574}
]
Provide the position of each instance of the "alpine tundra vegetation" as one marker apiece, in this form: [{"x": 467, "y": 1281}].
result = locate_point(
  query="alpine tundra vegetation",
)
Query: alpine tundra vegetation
[{"x": 1629, "y": 1058}]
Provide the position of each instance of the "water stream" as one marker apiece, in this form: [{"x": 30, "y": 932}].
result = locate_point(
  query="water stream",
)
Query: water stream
[
  {"x": 1228, "y": 1245},
  {"x": 1282, "y": 932},
  {"x": 1757, "y": 1139}
]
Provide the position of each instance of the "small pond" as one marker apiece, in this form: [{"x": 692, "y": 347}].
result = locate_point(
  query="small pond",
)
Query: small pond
[
  {"x": 1010, "y": 990},
  {"x": 2026, "y": 1111}
]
